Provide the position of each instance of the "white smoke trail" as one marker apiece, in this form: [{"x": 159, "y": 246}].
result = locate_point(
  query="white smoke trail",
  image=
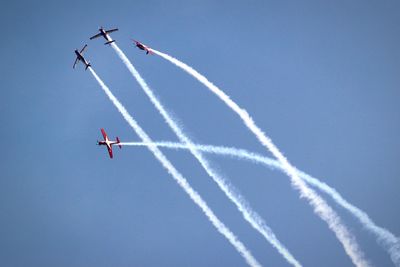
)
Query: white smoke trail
[
  {"x": 384, "y": 237},
  {"x": 246, "y": 254},
  {"x": 242, "y": 205},
  {"x": 321, "y": 208}
]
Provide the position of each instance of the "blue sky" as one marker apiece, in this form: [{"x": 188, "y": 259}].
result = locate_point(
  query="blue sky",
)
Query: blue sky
[{"x": 321, "y": 79}]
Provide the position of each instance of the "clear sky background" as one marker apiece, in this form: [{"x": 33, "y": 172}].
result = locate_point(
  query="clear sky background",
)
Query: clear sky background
[{"x": 321, "y": 78}]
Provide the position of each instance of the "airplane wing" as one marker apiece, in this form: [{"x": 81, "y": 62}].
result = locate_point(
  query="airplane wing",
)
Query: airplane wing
[
  {"x": 103, "y": 133},
  {"x": 110, "y": 152},
  {"x": 112, "y": 30},
  {"x": 83, "y": 49},
  {"x": 76, "y": 61},
  {"x": 95, "y": 36}
]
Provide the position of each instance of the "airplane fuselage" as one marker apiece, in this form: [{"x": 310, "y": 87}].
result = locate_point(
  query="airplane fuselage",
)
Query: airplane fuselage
[
  {"x": 142, "y": 47},
  {"x": 107, "y": 143},
  {"x": 105, "y": 34},
  {"x": 81, "y": 58}
]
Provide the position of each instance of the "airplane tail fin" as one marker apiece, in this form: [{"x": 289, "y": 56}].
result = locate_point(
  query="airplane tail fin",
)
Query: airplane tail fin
[
  {"x": 118, "y": 142},
  {"x": 109, "y": 42}
]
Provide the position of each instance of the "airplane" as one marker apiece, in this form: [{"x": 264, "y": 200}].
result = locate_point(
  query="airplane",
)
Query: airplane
[
  {"x": 79, "y": 57},
  {"x": 143, "y": 47},
  {"x": 105, "y": 34},
  {"x": 108, "y": 143}
]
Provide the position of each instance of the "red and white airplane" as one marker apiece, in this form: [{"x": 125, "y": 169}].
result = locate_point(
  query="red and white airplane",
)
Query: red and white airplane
[
  {"x": 105, "y": 34},
  {"x": 108, "y": 143},
  {"x": 143, "y": 47}
]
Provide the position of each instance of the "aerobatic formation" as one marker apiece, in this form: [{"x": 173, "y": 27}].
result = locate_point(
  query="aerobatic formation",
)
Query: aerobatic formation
[{"x": 300, "y": 181}]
